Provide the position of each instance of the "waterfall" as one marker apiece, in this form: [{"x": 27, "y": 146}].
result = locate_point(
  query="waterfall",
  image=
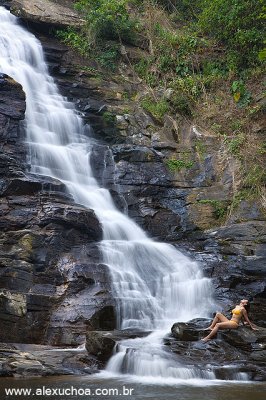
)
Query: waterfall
[{"x": 153, "y": 283}]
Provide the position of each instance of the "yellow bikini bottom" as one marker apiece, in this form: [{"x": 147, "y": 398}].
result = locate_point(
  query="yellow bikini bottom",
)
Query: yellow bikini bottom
[{"x": 234, "y": 322}]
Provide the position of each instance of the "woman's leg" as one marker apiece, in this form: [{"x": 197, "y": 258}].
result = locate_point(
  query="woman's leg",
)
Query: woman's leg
[
  {"x": 219, "y": 317},
  {"x": 220, "y": 325}
]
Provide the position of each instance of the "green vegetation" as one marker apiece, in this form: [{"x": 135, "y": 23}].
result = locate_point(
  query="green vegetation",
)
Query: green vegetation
[
  {"x": 237, "y": 24},
  {"x": 255, "y": 177},
  {"x": 200, "y": 149},
  {"x": 74, "y": 40},
  {"x": 183, "y": 9},
  {"x": 107, "y": 19},
  {"x": 108, "y": 24},
  {"x": 241, "y": 95},
  {"x": 220, "y": 208},
  {"x": 207, "y": 55},
  {"x": 177, "y": 165},
  {"x": 262, "y": 149},
  {"x": 108, "y": 118},
  {"x": 235, "y": 145},
  {"x": 243, "y": 195},
  {"x": 156, "y": 108}
]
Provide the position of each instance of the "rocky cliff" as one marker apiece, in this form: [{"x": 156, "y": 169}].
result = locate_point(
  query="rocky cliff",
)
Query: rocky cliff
[
  {"x": 49, "y": 256},
  {"x": 48, "y": 247},
  {"x": 189, "y": 203}
]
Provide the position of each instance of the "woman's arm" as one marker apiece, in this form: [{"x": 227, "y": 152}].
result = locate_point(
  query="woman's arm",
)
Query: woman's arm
[{"x": 245, "y": 315}]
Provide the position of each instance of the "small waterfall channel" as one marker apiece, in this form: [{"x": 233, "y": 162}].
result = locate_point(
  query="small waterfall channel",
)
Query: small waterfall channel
[{"x": 153, "y": 283}]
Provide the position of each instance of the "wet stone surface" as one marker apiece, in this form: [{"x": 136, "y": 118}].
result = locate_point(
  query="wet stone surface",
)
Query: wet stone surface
[{"x": 232, "y": 352}]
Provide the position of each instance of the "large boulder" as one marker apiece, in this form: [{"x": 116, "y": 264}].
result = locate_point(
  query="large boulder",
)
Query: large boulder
[
  {"x": 12, "y": 111},
  {"x": 246, "y": 339},
  {"x": 232, "y": 352},
  {"x": 101, "y": 344},
  {"x": 48, "y": 13},
  {"x": 12, "y": 98},
  {"x": 190, "y": 331}
]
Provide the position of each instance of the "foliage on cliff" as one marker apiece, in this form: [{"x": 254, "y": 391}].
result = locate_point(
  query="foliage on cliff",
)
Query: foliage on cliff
[
  {"x": 202, "y": 60},
  {"x": 107, "y": 19},
  {"x": 238, "y": 25}
]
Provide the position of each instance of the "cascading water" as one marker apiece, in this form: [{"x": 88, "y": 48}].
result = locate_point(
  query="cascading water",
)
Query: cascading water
[{"x": 154, "y": 284}]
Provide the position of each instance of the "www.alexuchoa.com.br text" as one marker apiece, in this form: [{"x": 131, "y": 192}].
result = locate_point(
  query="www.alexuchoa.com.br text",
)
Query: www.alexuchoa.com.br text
[{"x": 68, "y": 391}]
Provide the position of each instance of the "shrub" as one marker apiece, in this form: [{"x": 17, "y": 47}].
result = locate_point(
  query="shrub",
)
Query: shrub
[
  {"x": 238, "y": 24},
  {"x": 181, "y": 103},
  {"x": 108, "y": 19},
  {"x": 192, "y": 86},
  {"x": 177, "y": 165},
  {"x": 219, "y": 207},
  {"x": 235, "y": 145},
  {"x": 107, "y": 55},
  {"x": 241, "y": 95},
  {"x": 157, "y": 108},
  {"x": 73, "y": 39}
]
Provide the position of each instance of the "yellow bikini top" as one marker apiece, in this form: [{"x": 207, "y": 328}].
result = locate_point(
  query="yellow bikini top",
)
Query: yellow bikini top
[{"x": 236, "y": 311}]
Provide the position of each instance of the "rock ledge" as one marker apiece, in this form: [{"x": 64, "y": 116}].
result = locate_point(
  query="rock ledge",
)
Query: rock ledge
[{"x": 47, "y": 13}]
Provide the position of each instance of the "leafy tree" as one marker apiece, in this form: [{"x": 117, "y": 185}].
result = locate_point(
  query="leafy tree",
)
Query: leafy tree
[
  {"x": 108, "y": 19},
  {"x": 238, "y": 24}
]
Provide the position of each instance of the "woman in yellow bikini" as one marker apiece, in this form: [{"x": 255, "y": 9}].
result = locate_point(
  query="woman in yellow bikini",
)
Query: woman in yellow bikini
[{"x": 221, "y": 322}]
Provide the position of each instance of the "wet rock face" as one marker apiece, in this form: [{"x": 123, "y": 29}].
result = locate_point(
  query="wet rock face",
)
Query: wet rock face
[
  {"x": 27, "y": 360},
  {"x": 224, "y": 354},
  {"x": 12, "y": 109},
  {"x": 12, "y": 98},
  {"x": 49, "y": 254},
  {"x": 153, "y": 200},
  {"x": 102, "y": 343},
  {"x": 53, "y": 286},
  {"x": 180, "y": 205},
  {"x": 191, "y": 331},
  {"x": 141, "y": 186},
  {"x": 171, "y": 205},
  {"x": 236, "y": 265}
]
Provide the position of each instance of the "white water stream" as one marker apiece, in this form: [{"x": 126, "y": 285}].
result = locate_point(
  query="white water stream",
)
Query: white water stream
[{"x": 154, "y": 284}]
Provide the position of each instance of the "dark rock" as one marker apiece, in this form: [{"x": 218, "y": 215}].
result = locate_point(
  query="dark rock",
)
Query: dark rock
[
  {"x": 12, "y": 98},
  {"x": 246, "y": 339},
  {"x": 101, "y": 344},
  {"x": 102, "y": 164},
  {"x": 53, "y": 286},
  {"x": 5, "y": 3},
  {"x": 12, "y": 109},
  {"x": 190, "y": 331},
  {"x": 21, "y": 360},
  {"x": 71, "y": 217},
  {"x": 48, "y": 256},
  {"x": 233, "y": 352}
]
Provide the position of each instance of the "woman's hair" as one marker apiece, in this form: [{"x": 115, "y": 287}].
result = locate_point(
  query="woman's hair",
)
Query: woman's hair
[{"x": 247, "y": 307}]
